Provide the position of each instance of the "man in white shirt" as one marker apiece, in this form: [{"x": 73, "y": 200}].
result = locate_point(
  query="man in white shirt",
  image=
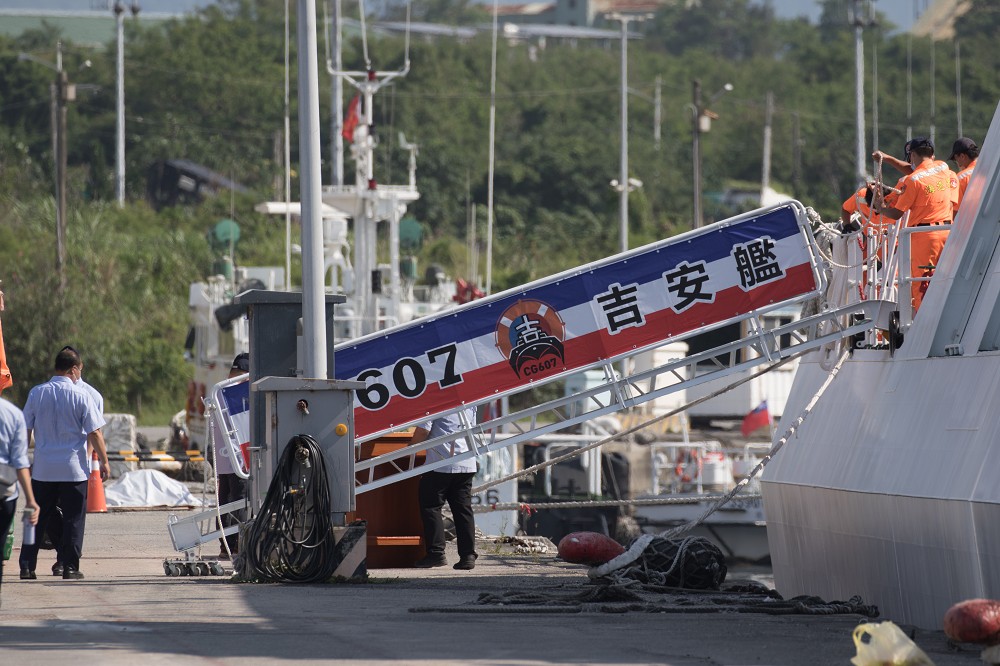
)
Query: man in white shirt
[
  {"x": 54, "y": 525},
  {"x": 451, "y": 483},
  {"x": 65, "y": 421}
]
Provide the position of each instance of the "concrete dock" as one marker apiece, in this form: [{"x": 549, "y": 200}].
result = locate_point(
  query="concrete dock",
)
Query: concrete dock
[{"x": 126, "y": 611}]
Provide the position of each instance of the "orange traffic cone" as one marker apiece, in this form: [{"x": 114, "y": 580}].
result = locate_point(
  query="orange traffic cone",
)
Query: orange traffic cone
[{"x": 95, "y": 488}]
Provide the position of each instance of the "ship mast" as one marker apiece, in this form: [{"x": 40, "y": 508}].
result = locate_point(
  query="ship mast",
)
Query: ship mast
[{"x": 367, "y": 202}]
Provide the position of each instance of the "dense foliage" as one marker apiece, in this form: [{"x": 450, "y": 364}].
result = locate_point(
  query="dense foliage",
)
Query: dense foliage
[{"x": 209, "y": 88}]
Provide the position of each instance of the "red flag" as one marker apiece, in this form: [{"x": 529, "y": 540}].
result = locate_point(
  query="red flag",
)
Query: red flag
[
  {"x": 5, "y": 378},
  {"x": 351, "y": 120},
  {"x": 758, "y": 418}
]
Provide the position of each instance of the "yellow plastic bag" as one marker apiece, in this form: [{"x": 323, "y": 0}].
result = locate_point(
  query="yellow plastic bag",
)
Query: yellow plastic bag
[{"x": 885, "y": 644}]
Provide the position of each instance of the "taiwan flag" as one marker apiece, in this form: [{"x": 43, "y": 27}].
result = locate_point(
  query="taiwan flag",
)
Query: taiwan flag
[{"x": 758, "y": 418}]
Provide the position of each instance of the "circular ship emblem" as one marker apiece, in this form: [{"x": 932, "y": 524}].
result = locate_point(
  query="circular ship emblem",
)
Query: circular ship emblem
[{"x": 530, "y": 335}]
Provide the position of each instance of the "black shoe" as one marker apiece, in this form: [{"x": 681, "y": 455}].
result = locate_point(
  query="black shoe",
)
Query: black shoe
[
  {"x": 27, "y": 574},
  {"x": 57, "y": 569},
  {"x": 466, "y": 562},
  {"x": 431, "y": 561},
  {"x": 70, "y": 573}
]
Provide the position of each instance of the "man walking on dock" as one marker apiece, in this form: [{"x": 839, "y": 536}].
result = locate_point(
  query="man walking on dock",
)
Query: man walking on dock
[{"x": 64, "y": 420}]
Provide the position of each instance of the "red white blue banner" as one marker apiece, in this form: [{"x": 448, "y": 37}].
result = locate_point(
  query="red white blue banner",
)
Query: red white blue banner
[{"x": 580, "y": 318}]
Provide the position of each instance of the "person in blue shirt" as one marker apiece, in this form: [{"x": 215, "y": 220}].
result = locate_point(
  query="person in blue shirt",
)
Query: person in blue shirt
[
  {"x": 14, "y": 452},
  {"x": 54, "y": 524},
  {"x": 450, "y": 483},
  {"x": 64, "y": 420}
]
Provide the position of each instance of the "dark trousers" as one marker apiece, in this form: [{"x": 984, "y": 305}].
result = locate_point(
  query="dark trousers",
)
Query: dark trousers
[
  {"x": 232, "y": 488},
  {"x": 436, "y": 488},
  {"x": 7, "y": 510},
  {"x": 71, "y": 497}
]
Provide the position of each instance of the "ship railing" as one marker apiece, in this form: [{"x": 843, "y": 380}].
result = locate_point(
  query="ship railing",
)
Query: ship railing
[{"x": 874, "y": 265}]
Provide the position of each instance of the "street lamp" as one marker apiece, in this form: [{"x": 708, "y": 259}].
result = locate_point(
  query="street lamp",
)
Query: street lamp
[
  {"x": 624, "y": 19},
  {"x": 701, "y": 118},
  {"x": 119, "y": 10}
]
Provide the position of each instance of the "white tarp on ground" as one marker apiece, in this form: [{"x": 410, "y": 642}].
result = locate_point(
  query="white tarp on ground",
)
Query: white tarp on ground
[{"x": 148, "y": 487}]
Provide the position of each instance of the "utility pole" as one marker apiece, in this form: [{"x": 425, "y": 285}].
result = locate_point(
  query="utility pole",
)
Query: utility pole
[
  {"x": 696, "y": 150},
  {"x": 61, "y": 92},
  {"x": 623, "y": 175},
  {"x": 623, "y": 185},
  {"x": 958, "y": 87},
  {"x": 119, "y": 10},
  {"x": 314, "y": 363},
  {"x": 64, "y": 93},
  {"x": 933, "y": 98},
  {"x": 909, "y": 76},
  {"x": 765, "y": 179},
  {"x": 54, "y": 120},
  {"x": 796, "y": 153},
  {"x": 701, "y": 122},
  {"x": 657, "y": 111},
  {"x": 337, "y": 93},
  {"x": 858, "y": 21}
]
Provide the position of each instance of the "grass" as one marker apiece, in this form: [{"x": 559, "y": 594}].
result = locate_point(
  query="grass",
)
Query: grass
[{"x": 158, "y": 415}]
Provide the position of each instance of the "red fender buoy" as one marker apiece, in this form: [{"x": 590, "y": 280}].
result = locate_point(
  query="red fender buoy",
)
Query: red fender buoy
[
  {"x": 974, "y": 621},
  {"x": 589, "y": 548}
]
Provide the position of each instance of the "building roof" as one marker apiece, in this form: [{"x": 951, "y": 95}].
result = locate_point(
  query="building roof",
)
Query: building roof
[
  {"x": 627, "y": 6},
  {"x": 938, "y": 20},
  {"x": 525, "y": 9},
  {"x": 86, "y": 28}
]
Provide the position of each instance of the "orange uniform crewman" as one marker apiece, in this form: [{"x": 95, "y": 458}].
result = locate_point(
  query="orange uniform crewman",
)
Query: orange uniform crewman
[
  {"x": 964, "y": 153},
  {"x": 929, "y": 194},
  {"x": 873, "y": 225}
]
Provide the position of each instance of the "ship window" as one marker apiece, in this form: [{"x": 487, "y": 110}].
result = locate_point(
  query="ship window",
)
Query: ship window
[
  {"x": 712, "y": 339},
  {"x": 785, "y": 338}
]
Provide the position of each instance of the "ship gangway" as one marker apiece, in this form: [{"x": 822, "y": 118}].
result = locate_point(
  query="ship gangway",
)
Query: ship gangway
[{"x": 594, "y": 317}]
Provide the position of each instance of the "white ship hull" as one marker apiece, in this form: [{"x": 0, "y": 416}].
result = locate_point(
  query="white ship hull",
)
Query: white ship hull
[
  {"x": 904, "y": 511},
  {"x": 890, "y": 488}
]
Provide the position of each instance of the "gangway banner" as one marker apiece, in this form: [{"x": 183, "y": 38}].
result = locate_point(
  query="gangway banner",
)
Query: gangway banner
[{"x": 580, "y": 318}]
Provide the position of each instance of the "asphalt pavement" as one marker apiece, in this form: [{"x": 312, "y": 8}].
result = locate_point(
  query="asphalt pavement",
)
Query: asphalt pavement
[{"x": 126, "y": 611}]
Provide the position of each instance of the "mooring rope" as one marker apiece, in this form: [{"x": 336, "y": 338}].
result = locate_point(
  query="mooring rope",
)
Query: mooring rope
[
  {"x": 639, "y": 545},
  {"x": 575, "y": 504}
]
